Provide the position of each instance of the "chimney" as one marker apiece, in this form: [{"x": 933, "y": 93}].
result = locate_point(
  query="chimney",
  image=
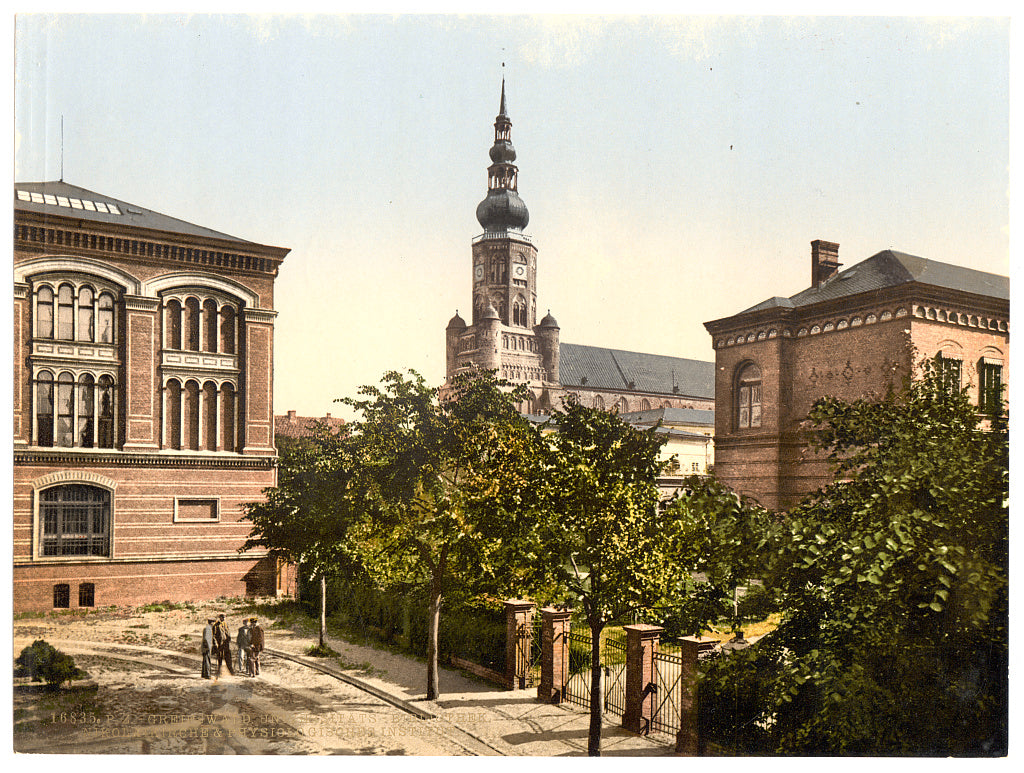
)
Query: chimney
[
  {"x": 291, "y": 415},
  {"x": 328, "y": 416},
  {"x": 824, "y": 261}
]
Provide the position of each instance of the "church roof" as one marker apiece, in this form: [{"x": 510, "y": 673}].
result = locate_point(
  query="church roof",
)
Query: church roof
[
  {"x": 890, "y": 268},
  {"x": 595, "y": 367},
  {"x": 670, "y": 416},
  {"x": 61, "y": 198}
]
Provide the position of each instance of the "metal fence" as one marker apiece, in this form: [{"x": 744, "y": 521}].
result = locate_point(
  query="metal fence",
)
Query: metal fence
[
  {"x": 613, "y": 657},
  {"x": 577, "y": 689},
  {"x": 668, "y": 675},
  {"x": 528, "y": 651}
]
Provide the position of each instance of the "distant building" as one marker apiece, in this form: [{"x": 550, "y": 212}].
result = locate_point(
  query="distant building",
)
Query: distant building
[
  {"x": 851, "y": 334},
  {"x": 143, "y": 403},
  {"x": 297, "y": 427},
  {"x": 689, "y": 437},
  {"x": 503, "y": 333}
]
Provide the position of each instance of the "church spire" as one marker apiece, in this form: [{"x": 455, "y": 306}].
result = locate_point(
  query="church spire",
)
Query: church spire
[{"x": 502, "y": 209}]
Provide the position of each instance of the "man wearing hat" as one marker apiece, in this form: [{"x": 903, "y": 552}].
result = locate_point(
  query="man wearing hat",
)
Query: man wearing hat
[
  {"x": 207, "y": 647},
  {"x": 256, "y": 636},
  {"x": 243, "y": 643},
  {"x": 222, "y": 644}
]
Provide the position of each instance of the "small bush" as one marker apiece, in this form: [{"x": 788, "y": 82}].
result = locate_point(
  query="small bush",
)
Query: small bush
[
  {"x": 320, "y": 652},
  {"x": 44, "y": 662}
]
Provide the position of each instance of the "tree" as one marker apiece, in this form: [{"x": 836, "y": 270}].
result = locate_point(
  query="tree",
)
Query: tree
[
  {"x": 305, "y": 518},
  {"x": 719, "y": 543},
  {"x": 443, "y": 485},
  {"x": 894, "y": 584},
  {"x": 603, "y": 541}
]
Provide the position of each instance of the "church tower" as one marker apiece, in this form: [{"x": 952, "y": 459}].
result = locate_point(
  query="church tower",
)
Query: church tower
[{"x": 504, "y": 334}]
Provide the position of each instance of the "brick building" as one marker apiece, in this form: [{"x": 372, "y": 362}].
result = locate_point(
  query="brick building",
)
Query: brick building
[
  {"x": 504, "y": 335},
  {"x": 143, "y": 403},
  {"x": 851, "y": 334}
]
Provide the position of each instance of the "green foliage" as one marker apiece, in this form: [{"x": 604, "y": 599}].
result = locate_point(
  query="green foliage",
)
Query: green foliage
[
  {"x": 602, "y": 540},
  {"x": 894, "y": 584},
  {"x": 43, "y": 662},
  {"x": 718, "y": 543}
]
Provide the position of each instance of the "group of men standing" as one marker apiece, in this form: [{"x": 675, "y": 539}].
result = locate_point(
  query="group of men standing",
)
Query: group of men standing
[{"x": 217, "y": 643}]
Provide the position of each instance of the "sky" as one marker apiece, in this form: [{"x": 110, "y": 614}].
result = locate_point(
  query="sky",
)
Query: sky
[{"x": 676, "y": 168}]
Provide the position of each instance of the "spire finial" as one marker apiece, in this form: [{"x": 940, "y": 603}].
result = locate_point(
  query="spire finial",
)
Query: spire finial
[{"x": 501, "y": 109}]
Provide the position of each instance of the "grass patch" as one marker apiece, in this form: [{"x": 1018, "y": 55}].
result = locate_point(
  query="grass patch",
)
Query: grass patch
[
  {"x": 165, "y": 606},
  {"x": 321, "y": 651}
]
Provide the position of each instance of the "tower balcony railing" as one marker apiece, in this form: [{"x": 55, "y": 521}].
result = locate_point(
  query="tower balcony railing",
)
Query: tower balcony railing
[{"x": 509, "y": 233}]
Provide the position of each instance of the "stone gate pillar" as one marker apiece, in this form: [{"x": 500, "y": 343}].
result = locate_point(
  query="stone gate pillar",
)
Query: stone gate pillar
[
  {"x": 518, "y": 641},
  {"x": 554, "y": 657},
  {"x": 688, "y": 737},
  {"x": 641, "y": 676}
]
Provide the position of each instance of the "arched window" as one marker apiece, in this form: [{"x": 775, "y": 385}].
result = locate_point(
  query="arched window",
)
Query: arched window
[
  {"x": 44, "y": 313},
  {"x": 172, "y": 415},
  {"x": 622, "y": 405},
  {"x": 65, "y": 410},
  {"x": 105, "y": 412},
  {"x": 748, "y": 397},
  {"x": 519, "y": 311},
  {"x": 86, "y": 312},
  {"x": 44, "y": 409},
  {"x": 599, "y": 402},
  {"x": 191, "y": 331},
  {"x": 209, "y": 416},
  {"x": 66, "y": 313},
  {"x": 105, "y": 319},
  {"x": 190, "y": 416},
  {"x": 74, "y": 520},
  {"x": 227, "y": 330},
  {"x": 227, "y": 417},
  {"x": 645, "y": 405},
  {"x": 86, "y": 411},
  {"x": 172, "y": 325},
  {"x": 209, "y": 325}
]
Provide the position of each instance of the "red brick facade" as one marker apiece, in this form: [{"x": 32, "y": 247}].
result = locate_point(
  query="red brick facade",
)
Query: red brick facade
[
  {"x": 143, "y": 405},
  {"x": 855, "y": 334}
]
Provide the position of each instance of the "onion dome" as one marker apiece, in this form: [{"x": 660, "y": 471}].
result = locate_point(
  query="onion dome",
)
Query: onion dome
[
  {"x": 502, "y": 209},
  {"x": 548, "y": 320},
  {"x": 456, "y": 322}
]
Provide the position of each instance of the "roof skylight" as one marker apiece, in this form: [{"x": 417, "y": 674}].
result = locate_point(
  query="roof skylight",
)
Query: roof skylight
[{"x": 65, "y": 201}]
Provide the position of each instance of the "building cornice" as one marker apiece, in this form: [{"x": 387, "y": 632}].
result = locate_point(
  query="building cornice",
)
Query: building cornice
[
  {"x": 42, "y": 233},
  {"x": 162, "y": 459}
]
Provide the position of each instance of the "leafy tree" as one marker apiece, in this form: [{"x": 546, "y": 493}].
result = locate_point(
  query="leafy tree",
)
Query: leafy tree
[
  {"x": 723, "y": 541},
  {"x": 305, "y": 518},
  {"x": 603, "y": 542},
  {"x": 894, "y": 585},
  {"x": 443, "y": 485}
]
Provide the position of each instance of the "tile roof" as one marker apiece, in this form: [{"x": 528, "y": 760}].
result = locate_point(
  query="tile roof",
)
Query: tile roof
[
  {"x": 890, "y": 268},
  {"x": 294, "y": 426},
  {"x": 613, "y": 369},
  {"x": 61, "y": 198}
]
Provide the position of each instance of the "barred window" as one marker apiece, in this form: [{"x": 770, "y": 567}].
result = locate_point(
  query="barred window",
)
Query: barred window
[
  {"x": 86, "y": 594},
  {"x": 61, "y": 595},
  {"x": 74, "y": 521}
]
